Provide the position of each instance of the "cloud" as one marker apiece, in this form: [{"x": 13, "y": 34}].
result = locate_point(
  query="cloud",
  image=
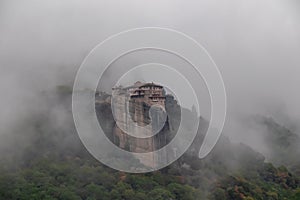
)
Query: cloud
[{"x": 256, "y": 45}]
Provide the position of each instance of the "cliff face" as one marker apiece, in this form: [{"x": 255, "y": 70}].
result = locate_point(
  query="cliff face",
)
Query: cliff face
[{"x": 126, "y": 119}]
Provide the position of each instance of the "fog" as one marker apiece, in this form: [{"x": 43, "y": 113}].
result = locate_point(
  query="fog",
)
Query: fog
[{"x": 255, "y": 44}]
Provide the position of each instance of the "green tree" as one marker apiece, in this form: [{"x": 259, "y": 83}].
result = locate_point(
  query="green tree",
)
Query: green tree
[{"x": 160, "y": 194}]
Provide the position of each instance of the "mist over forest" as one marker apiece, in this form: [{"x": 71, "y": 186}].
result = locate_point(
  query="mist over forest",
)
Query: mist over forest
[{"x": 255, "y": 44}]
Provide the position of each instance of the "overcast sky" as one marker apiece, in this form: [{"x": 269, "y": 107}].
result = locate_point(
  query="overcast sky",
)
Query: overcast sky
[{"x": 255, "y": 43}]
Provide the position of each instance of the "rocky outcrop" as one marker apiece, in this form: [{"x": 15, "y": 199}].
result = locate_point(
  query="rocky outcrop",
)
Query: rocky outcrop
[{"x": 124, "y": 116}]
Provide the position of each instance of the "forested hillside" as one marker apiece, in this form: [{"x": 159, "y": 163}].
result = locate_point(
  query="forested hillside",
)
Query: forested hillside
[{"x": 53, "y": 164}]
